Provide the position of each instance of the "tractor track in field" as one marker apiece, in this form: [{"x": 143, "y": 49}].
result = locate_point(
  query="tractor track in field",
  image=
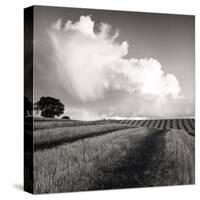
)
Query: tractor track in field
[
  {"x": 162, "y": 158},
  {"x": 127, "y": 158}
]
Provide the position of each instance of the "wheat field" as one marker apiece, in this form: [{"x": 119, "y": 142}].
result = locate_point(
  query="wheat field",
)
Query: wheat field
[{"x": 112, "y": 154}]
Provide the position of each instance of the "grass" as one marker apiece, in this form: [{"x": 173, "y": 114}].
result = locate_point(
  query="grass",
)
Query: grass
[
  {"x": 184, "y": 124},
  {"x": 179, "y": 163},
  {"x": 133, "y": 157},
  {"x": 47, "y": 138},
  {"x": 73, "y": 167},
  {"x": 65, "y": 123}
]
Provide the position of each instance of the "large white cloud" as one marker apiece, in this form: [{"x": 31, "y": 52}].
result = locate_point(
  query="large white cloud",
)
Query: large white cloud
[{"x": 92, "y": 63}]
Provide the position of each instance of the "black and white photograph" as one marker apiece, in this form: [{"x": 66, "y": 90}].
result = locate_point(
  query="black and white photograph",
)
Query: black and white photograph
[{"x": 109, "y": 99}]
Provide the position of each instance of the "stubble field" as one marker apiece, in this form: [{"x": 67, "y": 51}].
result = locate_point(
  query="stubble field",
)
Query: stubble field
[{"x": 109, "y": 154}]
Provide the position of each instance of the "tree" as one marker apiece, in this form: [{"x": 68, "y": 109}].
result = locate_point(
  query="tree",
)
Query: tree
[
  {"x": 50, "y": 107},
  {"x": 28, "y": 107},
  {"x": 65, "y": 117}
]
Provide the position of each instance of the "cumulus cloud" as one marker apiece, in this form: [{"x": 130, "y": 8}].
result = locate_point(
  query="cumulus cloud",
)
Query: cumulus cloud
[
  {"x": 91, "y": 64},
  {"x": 85, "y": 57}
]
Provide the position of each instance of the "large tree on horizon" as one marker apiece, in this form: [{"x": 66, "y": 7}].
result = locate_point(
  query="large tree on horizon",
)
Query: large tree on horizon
[{"x": 50, "y": 107}]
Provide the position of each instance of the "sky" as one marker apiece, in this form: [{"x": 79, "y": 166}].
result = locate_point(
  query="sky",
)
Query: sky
[{"x": 114, "y": 64}]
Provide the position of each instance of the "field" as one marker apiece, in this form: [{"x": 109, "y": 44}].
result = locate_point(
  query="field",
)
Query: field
[
  {"x": 187, "y": 125},
  {"x": 78, "y": 156}
]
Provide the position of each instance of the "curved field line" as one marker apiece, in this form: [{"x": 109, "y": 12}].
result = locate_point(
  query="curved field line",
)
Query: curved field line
[
  {"x": 180, "y": 124},
  {"x": 123, "y": 122},
  {"x": 126, "y": 121},
  {"x": 192, "y": 123},
  {"x": 171, "y": 123},
  {"x": 157, "y": 124},
  {"x": 135, "y": 123},
  {"x": 183, "y": 126},
  {"x": 146, "y": 124},
  {"x": 175, "y": 123},
  {"x": 162, "y": 124},
  {"x": 141, "y": 123},
  {"x": 167, "y": 125},
  {"x": 138, "y": 123},
  {"x": 151, "y": 125},
  {"x": 188, "y": 127},
  {"x": 130, "y": 122},
  {"x": 120, "y": 121},
  {"x": 154, "y": 123}
]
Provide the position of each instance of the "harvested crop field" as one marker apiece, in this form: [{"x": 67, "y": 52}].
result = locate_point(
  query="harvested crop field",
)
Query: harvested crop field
[
  {"x": 111, "y": 154},
  {"x": 187, "y": 125}
]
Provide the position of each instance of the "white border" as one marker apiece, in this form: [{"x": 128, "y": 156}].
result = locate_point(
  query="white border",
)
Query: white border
[{"x": 11, "y": 101}]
